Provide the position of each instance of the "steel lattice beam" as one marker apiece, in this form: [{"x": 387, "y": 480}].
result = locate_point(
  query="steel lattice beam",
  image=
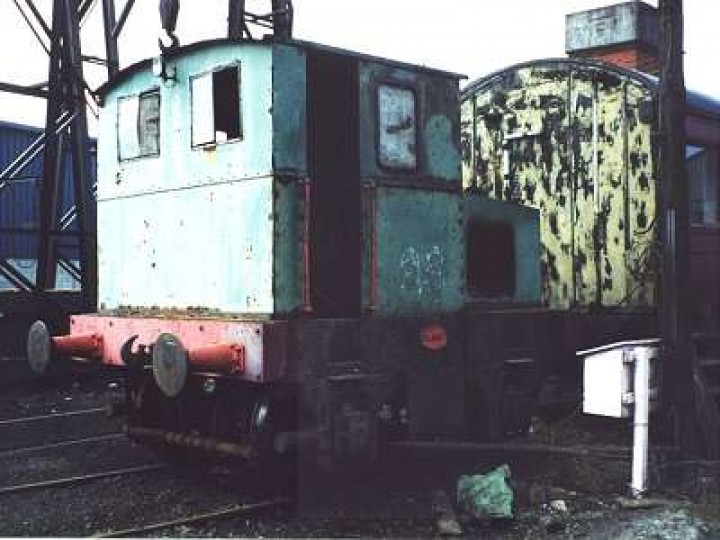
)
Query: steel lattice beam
[
  {"x": 280, "y": 19},
  {"x": 66, "y": 232}
]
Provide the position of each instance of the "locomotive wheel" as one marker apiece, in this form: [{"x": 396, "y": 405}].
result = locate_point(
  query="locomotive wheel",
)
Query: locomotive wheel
[
  {"x": 170, "y": 364},
  {"x": 39, "y": 348},
  {"x": 276, "y": 468}
]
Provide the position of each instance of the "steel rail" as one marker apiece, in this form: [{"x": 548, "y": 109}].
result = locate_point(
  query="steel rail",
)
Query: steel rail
[
  {"x": 604, "y": 452},
  {"x": 11, "y": 421},
  {"x": 61, "y": 444},
  {"x": 196, "y": 518},
  {"x": 71, "y": 480}
]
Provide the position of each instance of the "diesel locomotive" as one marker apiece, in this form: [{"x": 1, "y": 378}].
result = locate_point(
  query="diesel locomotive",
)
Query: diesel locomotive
[{"x": 288, "y": 256}]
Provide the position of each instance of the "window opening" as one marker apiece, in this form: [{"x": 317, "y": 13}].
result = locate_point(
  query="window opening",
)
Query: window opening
[
  {"x": 216, "y": 107},
  {"x": 396, "y": 123},
  {"x": 490, "y": 259},
  {"x": 701, "y": 163},
  {"x": 139, "y": 125}
]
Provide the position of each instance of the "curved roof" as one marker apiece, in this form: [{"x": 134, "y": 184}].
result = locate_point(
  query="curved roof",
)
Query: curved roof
[
  {"x": 696, "y": 100},
  {"x": 180, "y": 51}
]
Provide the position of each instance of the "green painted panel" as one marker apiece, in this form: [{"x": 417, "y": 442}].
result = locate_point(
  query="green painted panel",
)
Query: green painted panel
[
  {"x": 525, "y": 223},
  {"x": 437, "y": 121},
  {"x": 420, "y": 251},
  {"x": 287, "y": 245},
  {"x": 289, "y": 110}
]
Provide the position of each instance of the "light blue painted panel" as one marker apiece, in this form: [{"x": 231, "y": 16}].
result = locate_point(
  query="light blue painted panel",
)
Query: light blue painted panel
[
  {"x": 192, "y": 227},
  {"x": 179, "y": 165},
  {"x": 208, "y": 246}
]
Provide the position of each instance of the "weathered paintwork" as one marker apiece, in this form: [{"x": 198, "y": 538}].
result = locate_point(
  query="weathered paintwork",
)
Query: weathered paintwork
[
  {"x": 566, "y": 137},
  {"x": 265, "y": 342},
  {"x": 417, "y": 264},
  {"x": 635, "y": 22},
  {"x": 191, "y": 226},
  {"x": 437, "y": 129},
  {"x": 289, "y": 111},
  {"x": 225, "y": 225},
  {"x": 413, "y": 254}
]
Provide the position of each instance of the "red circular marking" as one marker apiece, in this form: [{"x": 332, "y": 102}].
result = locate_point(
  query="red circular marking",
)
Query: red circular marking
[{"x": 433, "y": 337}]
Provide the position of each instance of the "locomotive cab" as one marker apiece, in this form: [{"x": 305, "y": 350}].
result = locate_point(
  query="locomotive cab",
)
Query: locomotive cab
[{"x": 280, "y": 250}]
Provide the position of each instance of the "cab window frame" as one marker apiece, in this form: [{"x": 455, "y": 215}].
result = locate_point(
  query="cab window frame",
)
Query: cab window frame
[
  {"x": 208, "y": 97},
  {"x": 133, "y": 120}
]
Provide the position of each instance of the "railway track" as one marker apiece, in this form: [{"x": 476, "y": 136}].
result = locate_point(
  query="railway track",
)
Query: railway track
[
  {"x": 76, "y": 480},
  {"x": 61, "y": 444},
  {"x": 67, "y": 469},
  {"x": 53, "y": 416},
  {"x": 232, "y": 511}
]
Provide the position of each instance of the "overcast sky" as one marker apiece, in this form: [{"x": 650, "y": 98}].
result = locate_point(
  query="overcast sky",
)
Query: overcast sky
[{"x": 474, "y": 37}]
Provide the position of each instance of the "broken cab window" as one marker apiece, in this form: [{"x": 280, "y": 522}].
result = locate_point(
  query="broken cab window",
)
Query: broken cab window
[
  {"x": 139, "y": 125},
  {"x": 216, "y": 106},
  {"x": 396, "y": 124}
]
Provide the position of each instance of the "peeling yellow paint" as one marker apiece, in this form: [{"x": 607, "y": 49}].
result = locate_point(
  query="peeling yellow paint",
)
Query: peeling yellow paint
[{"x": 565, "y": 137}]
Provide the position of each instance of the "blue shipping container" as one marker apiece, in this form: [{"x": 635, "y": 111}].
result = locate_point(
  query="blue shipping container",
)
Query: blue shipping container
[{"x": 20, "y": 199}]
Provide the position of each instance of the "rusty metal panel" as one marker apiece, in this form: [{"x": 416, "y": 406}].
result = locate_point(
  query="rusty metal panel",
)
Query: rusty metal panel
[
  {"x": 566, "y": 138},
  {"x": 486, "y": 174},
  {"x": 289, "y": 243}
]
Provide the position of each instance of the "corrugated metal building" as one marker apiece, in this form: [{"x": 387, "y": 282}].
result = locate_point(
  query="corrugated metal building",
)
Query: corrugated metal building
[{"x": 20, "y": 199}]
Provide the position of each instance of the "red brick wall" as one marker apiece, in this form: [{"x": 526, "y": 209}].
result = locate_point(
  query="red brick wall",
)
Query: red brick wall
[{"x": 627, "y": 56}]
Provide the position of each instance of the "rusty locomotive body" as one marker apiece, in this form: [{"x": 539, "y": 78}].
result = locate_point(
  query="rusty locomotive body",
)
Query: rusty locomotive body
[{"x": 288, "y": 255}]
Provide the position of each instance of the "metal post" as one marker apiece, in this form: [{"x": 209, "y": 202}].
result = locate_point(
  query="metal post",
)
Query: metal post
[
  {"x": 641, "y": 391},
  {"x": 236, "y": 22},
  {"x": 76, "y": 99},
  {"x": 678, "y": 388},
  {"x": 111, "y": 44},
  {"x": 46, "y": 267},
  {"x": 282, "y": 18}
]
